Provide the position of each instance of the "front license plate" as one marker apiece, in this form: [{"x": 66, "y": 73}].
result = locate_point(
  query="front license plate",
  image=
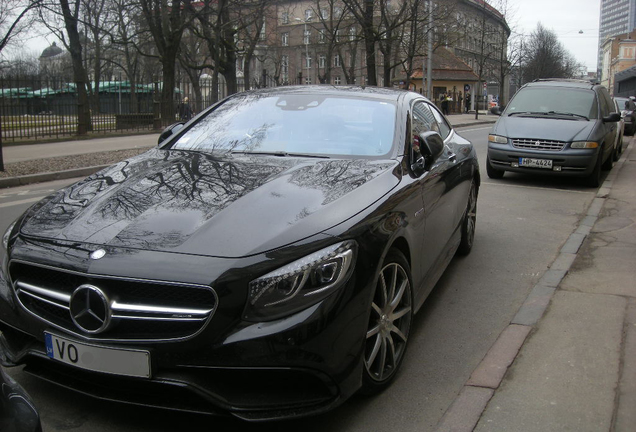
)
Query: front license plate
[
  {"x": 535, "y": 163},
  {"x": 118, "y": 361}
]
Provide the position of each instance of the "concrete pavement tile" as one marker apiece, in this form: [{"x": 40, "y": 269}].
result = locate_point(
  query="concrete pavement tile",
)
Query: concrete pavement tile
[
  {"x": 535, "y": 305},
  {"x": 563, "y": 262},
  {"x": 552, "y": 278},
  {"x": 573, "y": 243},
  {"x": 595, "y": 207},
  {"x": 588, "y": 221},
  {"x": 565, "y": 375},
  {"x": 501, "y": 355},
  {"x": 626, "y": 410},
  {"x": 464, "y": 413}
]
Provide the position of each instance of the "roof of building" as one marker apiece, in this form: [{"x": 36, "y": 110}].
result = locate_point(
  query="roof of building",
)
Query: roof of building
[
  {"x": 448, "y": 67},
  {"x": 51, "y": 51}
]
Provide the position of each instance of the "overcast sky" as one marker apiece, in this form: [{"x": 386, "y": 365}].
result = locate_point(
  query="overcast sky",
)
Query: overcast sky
[{"x": 565, "y": 17}]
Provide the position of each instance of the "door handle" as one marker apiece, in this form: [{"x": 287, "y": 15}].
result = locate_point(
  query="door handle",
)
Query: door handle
[{"x": 452, "y": 157}]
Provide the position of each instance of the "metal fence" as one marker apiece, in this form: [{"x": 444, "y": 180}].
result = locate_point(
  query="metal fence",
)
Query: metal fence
[{"x": 37, "y": 109}]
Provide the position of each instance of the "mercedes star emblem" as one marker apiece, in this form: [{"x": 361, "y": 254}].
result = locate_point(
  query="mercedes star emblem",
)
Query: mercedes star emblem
[
  {"x": 90, "y": 309},
  {"x": 99, "y": 253}
]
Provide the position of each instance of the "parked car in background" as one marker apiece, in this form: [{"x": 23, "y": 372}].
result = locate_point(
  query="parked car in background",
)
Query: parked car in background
[
  {"x": 557, "y": 127},
  {"x": 628, "y": 115},
  {"x": 265, "y": 260},
  {"x": 621, "y": 134}
]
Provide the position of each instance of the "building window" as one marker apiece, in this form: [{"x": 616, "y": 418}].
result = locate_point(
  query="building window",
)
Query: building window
[
  {"x": 308, "y": 62},
  {"x": 308, "y": 80},
  {"x": 336, "y": 60},
  {"x": 324, "y": 14},
  {"x": 261, "y": 36},
  {"x": 337, "y": 35},
  {"x": 285, "y": 39},
  {"x": 321, "y": 36},
  {"x": 352, "y": 33},
  {"x": 306, "y": 37},
  {"x": 284, "y": 64},
  {"x": 322, "y": 61},
  {"x": 309, "y": 14},
  {"x": 336, "y": 80},
  {"x": 285, "y": 18}
]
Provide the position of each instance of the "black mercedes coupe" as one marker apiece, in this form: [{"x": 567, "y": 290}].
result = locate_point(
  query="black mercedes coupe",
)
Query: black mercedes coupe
[{"x": 264, "y": 260}]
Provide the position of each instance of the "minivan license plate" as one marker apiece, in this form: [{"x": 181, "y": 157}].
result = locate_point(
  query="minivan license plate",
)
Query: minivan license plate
[
  {"x": 118, "y": 361},
  {"x": 535, "y": 163}
]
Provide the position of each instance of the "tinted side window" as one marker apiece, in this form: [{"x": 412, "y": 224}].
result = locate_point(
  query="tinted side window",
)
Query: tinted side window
[
  {"x": 423, "y": 119},
  {"x": 444, "y": 127}
]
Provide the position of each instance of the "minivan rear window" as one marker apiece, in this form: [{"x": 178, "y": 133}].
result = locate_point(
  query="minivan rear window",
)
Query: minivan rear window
[{"x": 555, "y": 99}]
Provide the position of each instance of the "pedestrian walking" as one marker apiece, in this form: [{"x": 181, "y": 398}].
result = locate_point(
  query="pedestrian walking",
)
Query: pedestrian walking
[
  {"x": 184, "y": 110},
  {"x": 444, "y": 104},
  {"x": 467, "y": 103}
]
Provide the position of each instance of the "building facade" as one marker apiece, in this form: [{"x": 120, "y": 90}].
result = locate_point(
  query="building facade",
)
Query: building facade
[
  {"x": 619, "y": 54},
  {"x": 616, "y": 17}
]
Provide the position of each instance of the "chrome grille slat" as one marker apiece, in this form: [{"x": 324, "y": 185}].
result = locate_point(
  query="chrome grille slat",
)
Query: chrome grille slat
[
  {"x": 537, "y": 144},
  {"x": 142, "y": 309}
]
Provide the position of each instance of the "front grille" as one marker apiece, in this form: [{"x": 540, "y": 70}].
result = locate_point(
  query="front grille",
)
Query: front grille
[
  {"x": 537, "y": 144},
  {"x": 139, "y": 309}
]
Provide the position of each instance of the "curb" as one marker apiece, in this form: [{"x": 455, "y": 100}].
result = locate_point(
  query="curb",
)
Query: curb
[
  {"x": 465, "y": 412},
  {"x": 50, "y": 176}
]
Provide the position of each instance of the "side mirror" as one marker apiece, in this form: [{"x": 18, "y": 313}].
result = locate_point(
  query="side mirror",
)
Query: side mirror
[
  {"x": 169, "y": 131},
  {"x": 496, "y": 110},
  {"x": 612, "y": 118},
  {"x": 425, "y": 150}
]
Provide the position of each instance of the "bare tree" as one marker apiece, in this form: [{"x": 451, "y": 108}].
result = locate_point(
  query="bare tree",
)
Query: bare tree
[
  {"x": 546, "y": 57},
  {"x": 166, "y": 21},
  {"x": 15, "y": 19}
]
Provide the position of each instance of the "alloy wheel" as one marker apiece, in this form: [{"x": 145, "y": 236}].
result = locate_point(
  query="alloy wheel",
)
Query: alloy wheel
[{"x": 389, "y": 324}]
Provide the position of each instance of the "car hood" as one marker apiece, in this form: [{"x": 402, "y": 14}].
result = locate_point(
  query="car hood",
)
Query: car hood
[
  {"x": 557, "y": 129},
  {"x": 190, "y": 202}
]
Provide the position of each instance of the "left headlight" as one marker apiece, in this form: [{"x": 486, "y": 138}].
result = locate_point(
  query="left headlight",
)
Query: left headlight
[{"x": 301, "y": 283}]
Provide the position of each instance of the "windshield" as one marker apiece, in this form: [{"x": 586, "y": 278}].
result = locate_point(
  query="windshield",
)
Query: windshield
[
  {"x": 545, "y": 100},
  {"x": 304, "y": 124}
]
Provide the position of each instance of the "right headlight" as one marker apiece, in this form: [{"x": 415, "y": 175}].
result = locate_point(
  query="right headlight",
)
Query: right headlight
[
  {"x": 497, "y": 139},
  {"x": 301, "y": 283}
]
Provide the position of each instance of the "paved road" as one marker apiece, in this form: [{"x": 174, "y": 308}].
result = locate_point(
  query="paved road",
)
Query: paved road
[{"x": 522, "y": 224}]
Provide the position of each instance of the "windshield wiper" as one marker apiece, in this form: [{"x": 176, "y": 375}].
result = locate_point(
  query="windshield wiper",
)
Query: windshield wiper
[
  {"x": 527, "y": 113},
  {"x": 568, "y": 114},
  {"x": 279, "y": 153}
]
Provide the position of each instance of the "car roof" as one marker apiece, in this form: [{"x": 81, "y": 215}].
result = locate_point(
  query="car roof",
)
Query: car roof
[
  {"x": 562, "y": 83},
  {"x": 369, "y": 92}
]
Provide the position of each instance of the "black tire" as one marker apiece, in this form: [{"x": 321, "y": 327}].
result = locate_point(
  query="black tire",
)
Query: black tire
[
  {"x": 609, "y": 162},
  {"x": 493, "y": 173},
  {"x": 389, "y": 326},
  {"x": 631, "y": 130},
  {"x": 469, "y": 222},
  {"x": 594, "y": 179}
]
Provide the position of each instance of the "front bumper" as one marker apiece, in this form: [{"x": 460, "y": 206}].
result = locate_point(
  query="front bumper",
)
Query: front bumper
[
  {"x": 303, "y": 364},
  {"x": 568, "y": 162}
]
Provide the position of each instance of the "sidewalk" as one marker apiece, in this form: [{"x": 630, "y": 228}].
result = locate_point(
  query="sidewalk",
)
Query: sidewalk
[
  {"x": 567, "y": 361},
  {"x": 18, "y": 153}
]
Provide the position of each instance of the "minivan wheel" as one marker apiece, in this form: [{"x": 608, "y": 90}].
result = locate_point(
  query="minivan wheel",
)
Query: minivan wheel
[
  {"x": 493, "y": 173},
  {"x": 609, "y": 162},
  {"x": 389, "y": 324},
  {"x": 594, "y": 179}
]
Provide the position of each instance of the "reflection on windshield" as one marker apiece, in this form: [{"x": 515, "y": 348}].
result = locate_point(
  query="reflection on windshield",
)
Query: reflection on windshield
[
  {"x": 295, "y": 124},
  {"x": 535, "y": 100}
]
